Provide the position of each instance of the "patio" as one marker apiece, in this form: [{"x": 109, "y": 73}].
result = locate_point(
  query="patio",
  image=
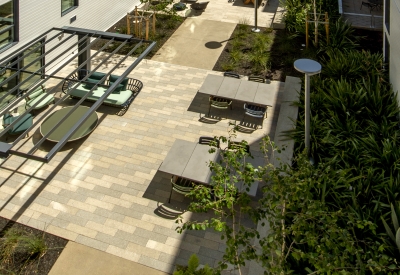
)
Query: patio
[
  {"x": 105, "y": 192},
  {"x": 361, "y": 16}
]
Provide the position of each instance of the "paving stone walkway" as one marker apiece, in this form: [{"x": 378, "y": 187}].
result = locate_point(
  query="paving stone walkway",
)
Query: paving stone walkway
[{"x": 105, "y": 192}]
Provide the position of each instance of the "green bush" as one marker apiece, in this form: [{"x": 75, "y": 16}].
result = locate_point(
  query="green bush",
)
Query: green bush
[
  {"x": 353, "y": 65},
  {"x": 341, "y": 37},
  {"x": 193, "y": 268}
]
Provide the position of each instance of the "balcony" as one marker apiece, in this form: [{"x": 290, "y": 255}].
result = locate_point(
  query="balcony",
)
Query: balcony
[{"x": 362, "y": 14}]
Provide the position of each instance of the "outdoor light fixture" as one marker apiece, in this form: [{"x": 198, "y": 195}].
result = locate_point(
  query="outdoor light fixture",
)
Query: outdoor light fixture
[{"x": 308, "y": 67}]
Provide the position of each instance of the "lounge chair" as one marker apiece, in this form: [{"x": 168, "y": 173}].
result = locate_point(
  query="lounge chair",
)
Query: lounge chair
[
  {"x": 39, "y": 95},
  {"x": 21, "y": 126}
]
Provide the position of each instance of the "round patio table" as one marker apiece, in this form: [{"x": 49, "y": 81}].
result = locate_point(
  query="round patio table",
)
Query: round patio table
[{"x": 86, "y": 128}]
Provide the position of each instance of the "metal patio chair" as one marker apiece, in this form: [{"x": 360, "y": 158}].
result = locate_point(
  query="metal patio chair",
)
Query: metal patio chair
[
  {"x": 232, "y": 74},
  {"x": 256, "y": 79},
  {"x": 180, "y": 185},
  {"x": 208, "y": 140},
  {"x": 255, "y": 111},
  {"x": 219, "y": 103}
]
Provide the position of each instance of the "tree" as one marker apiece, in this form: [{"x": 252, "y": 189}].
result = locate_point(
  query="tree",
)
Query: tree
[{"x": 308, "y": 234}]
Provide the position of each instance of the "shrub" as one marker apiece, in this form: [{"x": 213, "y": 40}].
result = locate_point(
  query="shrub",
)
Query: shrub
[
  {"x": 193, "y": 268},
  {"x": 353, "y": 65},
  {"x": 341, "y": 37}
]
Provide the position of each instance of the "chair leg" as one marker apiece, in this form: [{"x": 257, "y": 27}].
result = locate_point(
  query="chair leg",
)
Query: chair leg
[{"x": 170, "y": 195}]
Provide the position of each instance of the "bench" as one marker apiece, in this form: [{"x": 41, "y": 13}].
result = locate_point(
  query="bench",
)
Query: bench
[{"x": 121, "y": 97}]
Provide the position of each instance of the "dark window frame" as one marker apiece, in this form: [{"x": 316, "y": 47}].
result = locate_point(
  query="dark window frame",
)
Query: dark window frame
[
  {"x": 68, "y": 10},
  {"x": 387, "y": 15},
  {"x": 14, "y": 26}
]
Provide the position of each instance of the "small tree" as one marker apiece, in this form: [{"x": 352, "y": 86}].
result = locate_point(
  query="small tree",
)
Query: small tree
[
  {"x": 229, "y": 203},
  {"x": 307, "y": 235}
]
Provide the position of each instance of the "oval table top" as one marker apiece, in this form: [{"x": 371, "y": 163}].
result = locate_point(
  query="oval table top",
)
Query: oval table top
[{"x": 86, "y": 128}]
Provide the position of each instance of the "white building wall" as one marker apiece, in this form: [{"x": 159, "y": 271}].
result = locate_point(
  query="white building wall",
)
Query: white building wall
[
  {"x": 394, "y": 42},
  {"x": 38, "y": 16}
]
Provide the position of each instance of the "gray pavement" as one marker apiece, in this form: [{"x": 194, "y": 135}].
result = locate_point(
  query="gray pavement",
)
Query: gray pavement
[{"x": 104, "y": 193}]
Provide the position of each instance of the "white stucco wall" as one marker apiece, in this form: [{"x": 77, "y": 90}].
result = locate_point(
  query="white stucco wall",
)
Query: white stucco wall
[
  {"x": 38, "y": 16},
  {"x": 394, "y": 41}
]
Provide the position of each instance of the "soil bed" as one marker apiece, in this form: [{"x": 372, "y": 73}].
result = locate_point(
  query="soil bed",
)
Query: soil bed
[
  {"x": 22, "y": 263},
  {"x": 283, "y": 49},
  {"x": 166, "y": 25}
]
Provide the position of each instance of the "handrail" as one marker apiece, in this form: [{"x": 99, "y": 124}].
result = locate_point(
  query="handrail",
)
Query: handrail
[{"x": 372, "y": 21}]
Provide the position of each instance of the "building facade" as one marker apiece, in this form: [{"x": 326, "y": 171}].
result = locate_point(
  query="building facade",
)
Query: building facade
[{"x": 23, "y": 20}]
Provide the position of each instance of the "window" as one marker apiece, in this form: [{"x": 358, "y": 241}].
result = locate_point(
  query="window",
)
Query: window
[
  {"x": 387, "y": 15},
  {"x": 31, "y": 63},
  {"x": 68, "y": 5},
  {"x": 8, "y": 26}
]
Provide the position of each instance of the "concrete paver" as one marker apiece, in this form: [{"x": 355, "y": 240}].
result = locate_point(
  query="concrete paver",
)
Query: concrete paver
[
  {"x": 122, "y": 209},
  {"x": 77, "y": 259},
  {"x": 188, "y": 46}
]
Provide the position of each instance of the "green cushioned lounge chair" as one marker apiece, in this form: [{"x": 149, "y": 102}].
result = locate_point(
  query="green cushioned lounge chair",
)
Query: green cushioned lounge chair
[
  {"x": 39, "y": 95},
  {"x": 22, "y": 125}
]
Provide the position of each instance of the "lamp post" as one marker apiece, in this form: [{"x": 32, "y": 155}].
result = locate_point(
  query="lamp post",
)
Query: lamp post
[
  {"x": 255, "y": 29},
  {"x": 308, "y": 67}
]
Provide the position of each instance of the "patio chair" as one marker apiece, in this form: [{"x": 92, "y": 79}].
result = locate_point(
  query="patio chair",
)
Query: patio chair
[
  {"x": 39, "y": 95},
  {"x": 231, "y": 74},
  {"x": 208, "y": 140},
  {"x": 21, "y": 126},
  {"x": 255, "y": 111},
  {"x": 256, "y": 79},
  {"x": 199, "y": 6},
  {"x": 219, "y": 103},
  {"x": 235, "y": 145},
  {"x": 181, "y": 186},
  {"x": 368, "y": 5}
]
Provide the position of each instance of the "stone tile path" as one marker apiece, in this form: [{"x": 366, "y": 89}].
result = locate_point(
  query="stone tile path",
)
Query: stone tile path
[{"x": 105, "y": 191}]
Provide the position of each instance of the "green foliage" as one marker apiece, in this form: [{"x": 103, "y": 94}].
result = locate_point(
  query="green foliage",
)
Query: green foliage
[
  {"x": 341, "y": 37},
  {"x": 395, "y": 217},
  {"x": 296, "y": 11},
  {"x": 228, "y": 66},
  {"x": 311, "y": 236},
  {"x": 236, "y": 56},
  {"x": 193, "y": 268},
  {"x": 353, "y": 65},
  {"x": 17, "y": 242},
  {"x": 259, "y": 60},
  {"x": 228, "y": 203}
]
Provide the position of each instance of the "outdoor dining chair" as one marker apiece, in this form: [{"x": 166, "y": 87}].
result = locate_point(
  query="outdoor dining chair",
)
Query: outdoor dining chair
[
  {"x": 255, "y": 111},
  {"x": 256, "y": 79},
  {"x": 219, "y": 103},
  {"x": 231, "y": 74},
  {"x": 180, "y": 185},
  {"x": 208, "y": 140}
]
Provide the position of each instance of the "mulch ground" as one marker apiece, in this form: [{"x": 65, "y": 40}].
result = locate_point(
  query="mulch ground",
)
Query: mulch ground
[
  {"x": 37, "y": 266},
  {"x": 166, "y": 25},
  {"x": 282, "y": 60}
]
